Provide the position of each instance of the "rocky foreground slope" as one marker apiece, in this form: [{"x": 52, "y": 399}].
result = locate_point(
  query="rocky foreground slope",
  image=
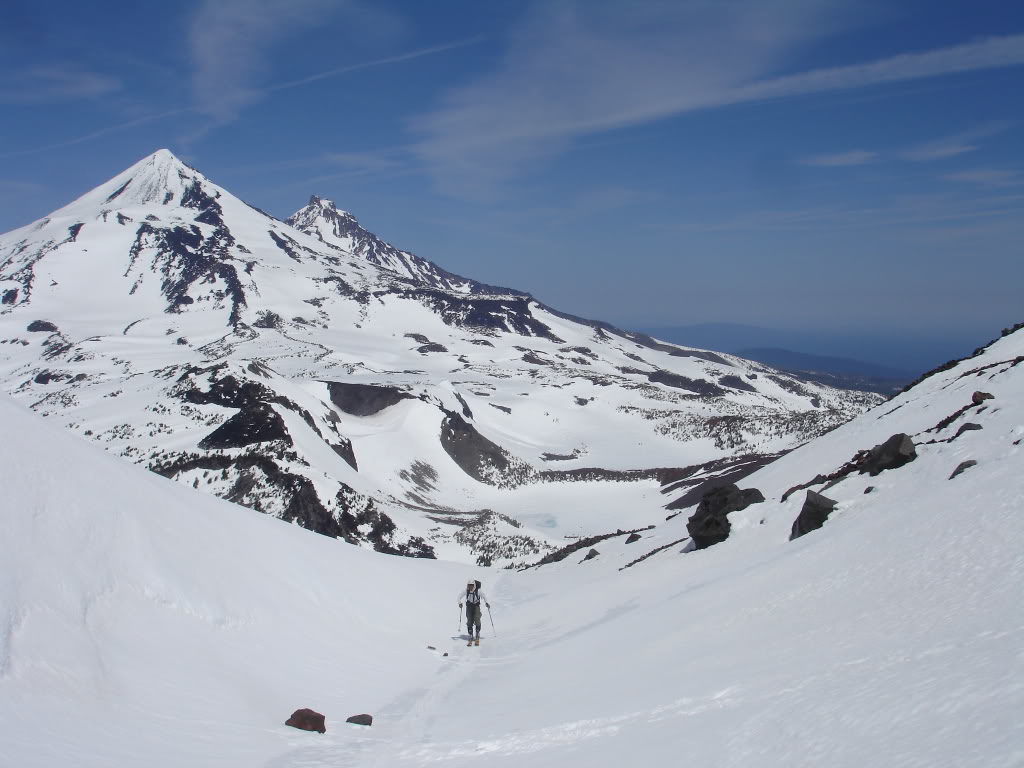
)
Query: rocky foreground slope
[
  {"x": 952, "y": 439},
  {"x": 313, "y": 372}
]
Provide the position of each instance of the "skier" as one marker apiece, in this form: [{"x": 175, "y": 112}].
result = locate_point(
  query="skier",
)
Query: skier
[{"x": 473, "y": 596}]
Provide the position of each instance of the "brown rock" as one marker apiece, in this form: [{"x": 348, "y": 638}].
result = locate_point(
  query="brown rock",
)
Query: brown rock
[
  {"x": 307, "y": 720},
  {"x": 962, "y": 466}
]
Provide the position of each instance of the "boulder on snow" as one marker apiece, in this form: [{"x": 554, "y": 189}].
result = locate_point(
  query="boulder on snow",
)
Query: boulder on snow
[
  {"x": 710, "y": 523},
  {"x": 360, "y": 719},
  {"x": 979, "y": 397},
  {"x": 813, "y": 515},
  {"x": 307, "y": 720},
  {"x": 962, "y": 466},
  {"x": 633, "y": 537},
  {"x": 590, "y": 555},
  {"x": 37, "y": 326},
  {"x": 970, "y": 426},
  {"x": 894, "y": 452}
]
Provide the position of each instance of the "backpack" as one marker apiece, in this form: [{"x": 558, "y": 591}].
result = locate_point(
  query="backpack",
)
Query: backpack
[{"x": 473, "y": 598}]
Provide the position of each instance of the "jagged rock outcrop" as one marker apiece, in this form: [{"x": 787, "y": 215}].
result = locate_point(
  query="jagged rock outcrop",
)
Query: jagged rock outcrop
[
  {"x": 962, "y": 467},
  {"x": 892, "y": 454},
  {"x": 480, "y": 458},
  {"x": 969, "y": 426},
  {"x": 364, "y": 399},
  {"x": 813, "y": 514},
  {"x": 710, "y": 525}
]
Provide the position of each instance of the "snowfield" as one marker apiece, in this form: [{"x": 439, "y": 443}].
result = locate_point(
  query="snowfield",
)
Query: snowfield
[{"x": 142, "y": 623}]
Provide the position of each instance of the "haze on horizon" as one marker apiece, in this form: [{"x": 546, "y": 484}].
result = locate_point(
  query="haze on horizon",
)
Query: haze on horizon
[{"x": 843, "y": 169}]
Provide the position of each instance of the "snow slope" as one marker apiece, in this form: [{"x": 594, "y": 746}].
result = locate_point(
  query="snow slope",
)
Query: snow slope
[{"x": 143, "y": 624}]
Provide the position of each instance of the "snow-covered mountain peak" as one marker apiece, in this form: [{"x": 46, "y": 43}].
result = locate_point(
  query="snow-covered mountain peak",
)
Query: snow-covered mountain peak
[
  {"x": 157, "y": 179},
  {"x": 340, "y": 229},
  {"x": 321, "y": 217},
  {"x": 319, "y": 207}
]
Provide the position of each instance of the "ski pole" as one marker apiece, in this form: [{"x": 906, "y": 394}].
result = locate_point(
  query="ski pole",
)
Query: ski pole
[
  {"x": 492, "y": 621},
  {"x": 459, "y": 625}
]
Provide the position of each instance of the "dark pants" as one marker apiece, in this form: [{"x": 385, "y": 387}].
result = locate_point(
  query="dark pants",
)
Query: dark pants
[{"x": 473, "y": 618}]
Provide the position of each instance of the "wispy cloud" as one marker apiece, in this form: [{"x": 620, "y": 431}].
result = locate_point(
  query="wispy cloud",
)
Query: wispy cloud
[
  {"x": 990, "y": 53},
  {"x": 988, "y": 177},
  {"x": 397, "y": 59},
  {"x": 229, "y": 41},
  {"x": 909, "y": 211},
  {"x": 371, "y": 161},
  {"x": 54, "y": 84},
  {"x": 853, "y": 157},
  {"x": 106, "y": 131},
  {"x": 574, "y": 68},
  {"x": 928, "y": 151},
  {"x": 257, "y": 93},
  {"x": 957, "y": 144}
]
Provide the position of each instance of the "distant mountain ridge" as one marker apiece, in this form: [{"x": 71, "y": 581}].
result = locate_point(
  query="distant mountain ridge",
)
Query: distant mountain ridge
[
  {"x": 839, "y": 372},
  {"x": 886, "y": 354}
]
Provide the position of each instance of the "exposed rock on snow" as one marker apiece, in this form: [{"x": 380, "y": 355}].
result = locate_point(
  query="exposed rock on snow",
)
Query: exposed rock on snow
[
  {"x": 479, "y": 457},
  {"x": 895, "y": 452},
  {"x": 360, "y": 719},
  {"x": 813, "y": 514},
  {"x": 560, "y": 554},
  {"x": 710, "y": 525},
  {"x": 698, "y": 480},
  {"x": 307, "y": 720},
  {"x": 892, "y": 454},
  {"x": 364, "y": 399},
  {"x": 962, "y": 466},
  {"x": 258, "y": 423},
  {"x": 969, "y": 426}
]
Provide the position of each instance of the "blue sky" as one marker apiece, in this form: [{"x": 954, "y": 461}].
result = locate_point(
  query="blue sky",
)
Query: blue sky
[{"x": 850, "y": 167}]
